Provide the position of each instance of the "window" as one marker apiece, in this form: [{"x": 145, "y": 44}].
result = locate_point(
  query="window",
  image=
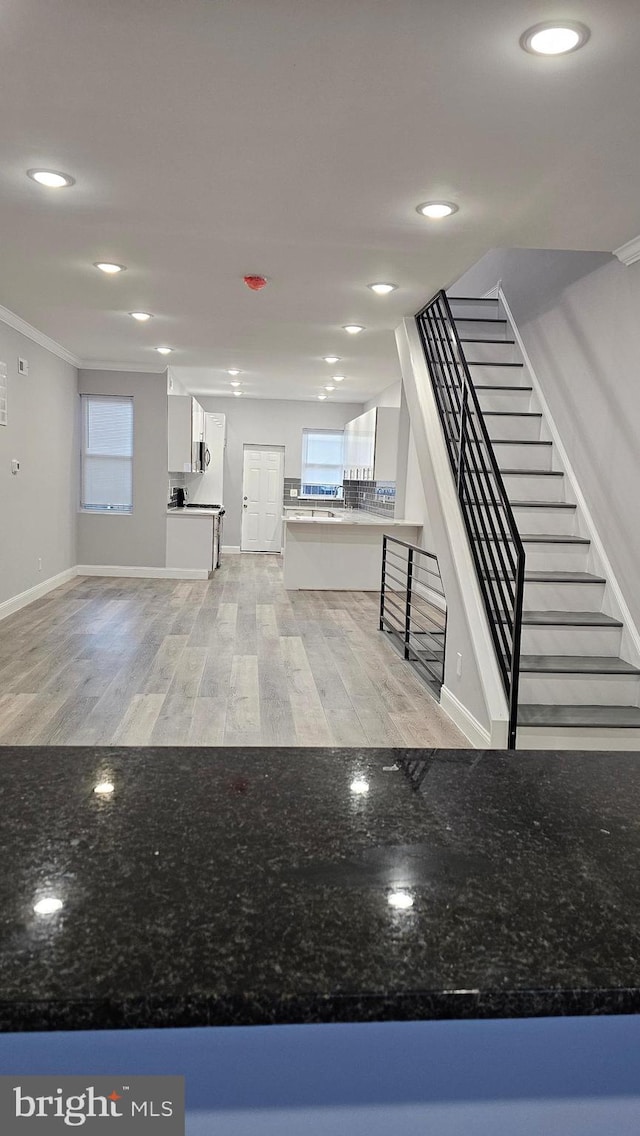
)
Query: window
[
  {"x": 322, "y": 463},
  {"x": 107, "y": 454}
]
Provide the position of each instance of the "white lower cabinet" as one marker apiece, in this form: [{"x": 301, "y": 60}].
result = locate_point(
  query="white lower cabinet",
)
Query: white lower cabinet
[{"x": 190, "y": 542}]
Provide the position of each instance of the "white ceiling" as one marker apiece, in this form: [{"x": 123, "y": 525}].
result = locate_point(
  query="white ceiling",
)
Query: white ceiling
[{"x": 294, "y": 138}]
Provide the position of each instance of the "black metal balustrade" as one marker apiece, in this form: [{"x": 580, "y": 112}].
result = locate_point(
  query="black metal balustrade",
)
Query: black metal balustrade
[
  {"x": 493, "y": 536},
  {"x": 413, "y": 607}
]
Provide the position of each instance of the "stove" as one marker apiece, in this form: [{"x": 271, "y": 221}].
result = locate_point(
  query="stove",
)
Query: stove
[{"x": 199, "y": 505}]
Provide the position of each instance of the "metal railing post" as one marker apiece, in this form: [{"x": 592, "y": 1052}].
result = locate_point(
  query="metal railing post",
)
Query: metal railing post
[
  {"x": 382, "y": 581},
  {"x": 407, "y": 615}
]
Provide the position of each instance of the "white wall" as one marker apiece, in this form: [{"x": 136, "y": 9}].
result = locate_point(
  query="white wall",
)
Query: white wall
[
  {"x": 390, "y": 396},
  {"x": 579, "y": 316},
  {"x": 138, "y": 540},
  {"x": 38, "y": 506},
  {"x": 272, "y": 422}
]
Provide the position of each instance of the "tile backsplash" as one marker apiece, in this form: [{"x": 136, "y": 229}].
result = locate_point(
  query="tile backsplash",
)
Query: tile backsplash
[
  {"x": 377, "y": 497},
  {"x": 294, "y": 483}
]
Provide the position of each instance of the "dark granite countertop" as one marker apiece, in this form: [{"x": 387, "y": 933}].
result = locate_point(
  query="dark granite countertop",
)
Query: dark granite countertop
[{"x": 249, "y": 886}]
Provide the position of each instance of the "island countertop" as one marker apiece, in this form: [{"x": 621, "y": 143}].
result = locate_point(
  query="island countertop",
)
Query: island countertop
[
  {"x": 257, "y": 886},
  {"x": 352, "y": 517}
]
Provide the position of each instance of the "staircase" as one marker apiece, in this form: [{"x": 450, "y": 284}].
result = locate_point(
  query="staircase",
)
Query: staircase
[{"x": 579, "y": 682}]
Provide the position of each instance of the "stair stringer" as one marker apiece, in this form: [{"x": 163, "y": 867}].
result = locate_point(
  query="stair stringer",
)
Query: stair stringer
[
  {"x": 476, "y": 700},
  {"x": 614, "y": 603}
]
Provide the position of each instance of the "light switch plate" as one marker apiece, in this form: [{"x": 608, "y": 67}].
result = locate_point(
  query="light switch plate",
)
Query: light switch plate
[
  {"x": 23, "y": 366},
  {"x": 293, "y": 492}
]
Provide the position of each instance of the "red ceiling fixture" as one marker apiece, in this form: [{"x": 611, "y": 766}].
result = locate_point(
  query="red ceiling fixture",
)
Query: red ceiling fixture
[{"x": 255, "y": 282}]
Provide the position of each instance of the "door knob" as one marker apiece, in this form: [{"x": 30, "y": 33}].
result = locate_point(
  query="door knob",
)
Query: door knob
[
  {"x": 244, "y": 498},
  {"x": 245, "y": 506}
]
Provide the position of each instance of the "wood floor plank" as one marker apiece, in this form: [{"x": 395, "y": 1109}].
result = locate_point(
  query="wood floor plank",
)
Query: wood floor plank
[{"x": 235, "y": 660}]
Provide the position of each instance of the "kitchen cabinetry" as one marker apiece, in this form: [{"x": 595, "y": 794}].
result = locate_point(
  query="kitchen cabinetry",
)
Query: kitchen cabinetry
[
  {"x": 371, "y": 445},
  {"x": 186, "y": 428},
  {"x": 193, "y": 542}
]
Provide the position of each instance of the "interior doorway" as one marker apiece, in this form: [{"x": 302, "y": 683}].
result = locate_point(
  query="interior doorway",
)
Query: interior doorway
[{"x": 262, "y": 497}]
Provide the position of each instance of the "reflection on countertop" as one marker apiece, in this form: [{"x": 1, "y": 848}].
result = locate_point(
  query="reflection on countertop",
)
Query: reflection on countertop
[{"x": 181, "y": 887}]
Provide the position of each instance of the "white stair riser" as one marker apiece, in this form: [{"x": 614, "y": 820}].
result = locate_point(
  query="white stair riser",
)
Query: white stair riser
[
  {"x": 556, "y": 557},
  {"x": 513, "y": 426},
  {"x": 475, "y": 310},
  {"x": 523, "y": 457},
  {"x": 570, "y": 640},
  {"x": 562, "y": 597},
  {"x": 532, "y": 488},
  {"x": 578, "y": 689},
  {"x": 491, "y": 352},
  {"x": 507, "y": 400},
  {"x": 488, "y": 329},
  {"x": 560, "y": 522},
  {"x": 497, "y": 376},
  {"x": 555, "y": 738}
]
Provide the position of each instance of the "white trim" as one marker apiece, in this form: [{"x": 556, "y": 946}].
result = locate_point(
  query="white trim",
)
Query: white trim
[
  {"x": 143, "y": 573},
  {"x": 32, "y": 333},
  {"x": 492, "y": 293},
  {"x": 15, "y": 603},
  {"x": 109, "y": 365},
  {"x": 230, "y": 548},
  {"x": 629, "y": 253},
  {"x": 472, "y": 729},
  {"x": 605, "y": 564}
]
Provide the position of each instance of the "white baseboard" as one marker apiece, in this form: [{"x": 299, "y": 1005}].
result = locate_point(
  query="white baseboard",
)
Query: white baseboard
[
  {"x": 230, "y": 549},
  {"x": 8, "y": 607},
  {"x": 472, "y": 729},
  {"x": 144, "y": 573}
]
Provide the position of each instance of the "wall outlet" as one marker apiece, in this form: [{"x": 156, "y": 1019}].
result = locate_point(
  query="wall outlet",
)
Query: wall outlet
[
  {"x": 15, "y": 465},
  {"x": 459, "y": 664},
  {"x": 23, "y": 366},
  {"x": 39, "y": 564},
  {"x": 293, "y": 492}
]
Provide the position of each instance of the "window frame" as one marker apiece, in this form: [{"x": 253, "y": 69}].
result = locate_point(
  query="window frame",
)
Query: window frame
[
  {"x": 339, "y": 486},
  {"x": 86, "y": 398}
]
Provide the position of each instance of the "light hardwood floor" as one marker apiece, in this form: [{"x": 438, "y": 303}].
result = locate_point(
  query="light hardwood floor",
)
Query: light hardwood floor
[{"x": 235, "y": 660}]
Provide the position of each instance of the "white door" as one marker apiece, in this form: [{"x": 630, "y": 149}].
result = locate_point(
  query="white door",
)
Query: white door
[{"x": 262, "y": 491}]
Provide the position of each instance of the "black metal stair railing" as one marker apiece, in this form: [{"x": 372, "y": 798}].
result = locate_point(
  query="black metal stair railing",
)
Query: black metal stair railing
[
  {"x": 495, "y": 543},
  {"x": 413, "y": 607}
]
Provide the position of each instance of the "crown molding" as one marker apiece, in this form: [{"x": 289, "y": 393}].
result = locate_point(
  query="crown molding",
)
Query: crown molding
[
  {"x": 109, "y": 365},
  {"x": 32, "y": 333},
  {"x": 630, "y": 252}
]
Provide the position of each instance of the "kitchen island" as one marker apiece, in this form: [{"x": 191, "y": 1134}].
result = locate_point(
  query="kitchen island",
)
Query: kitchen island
[
  {"x": 339, "y": 550},
  {"x": 519, "y": 871},
  {"x": 446, "y": 941}
]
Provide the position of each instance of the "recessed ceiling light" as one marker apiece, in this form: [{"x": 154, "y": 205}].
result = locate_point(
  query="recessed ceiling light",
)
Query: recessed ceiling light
[
  {"x": 236, "y": 394},
  {"x": 109, "y": 268},
  {"x": 234, "y": 371},
  {"x": 53, "y": 179},
  {"x": 555, "y": 39},
  {"x": 338, "y": 378},
  {"x": 142, "y": 317},
  {"x": 235, "y": 384},
  {"x": 331, "y": 358},
  {"x": 164, "y": 350},
  {"x": 329, "y": 388},
  {"x": 400, "y": 899},
  {"x": 352, "y": 328},
  {"x": 322, "y": 397},
  {"x": 47, "y": 906},
  {"x": 436, "y": 210},
  {"x": 382, "y": 289}
]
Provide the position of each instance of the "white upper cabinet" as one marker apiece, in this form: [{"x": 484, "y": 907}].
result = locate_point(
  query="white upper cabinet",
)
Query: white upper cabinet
[
  {"x": 371, "y": 445},
  {"x": 186, "y": 427}
]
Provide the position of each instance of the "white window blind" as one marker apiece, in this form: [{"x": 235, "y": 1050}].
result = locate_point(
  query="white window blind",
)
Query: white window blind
[
  {"x": 322, "y": 461},
  {"x": 107, "y": 453}
]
